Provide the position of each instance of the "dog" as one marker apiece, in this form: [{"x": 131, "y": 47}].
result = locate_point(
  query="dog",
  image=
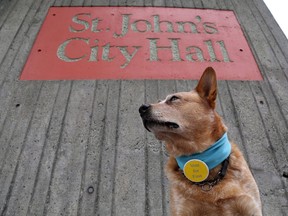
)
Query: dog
[{"x": 207, "y": 173}]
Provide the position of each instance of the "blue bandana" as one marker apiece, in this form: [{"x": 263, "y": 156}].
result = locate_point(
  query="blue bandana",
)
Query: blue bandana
[{"x": 212, "y": 156}]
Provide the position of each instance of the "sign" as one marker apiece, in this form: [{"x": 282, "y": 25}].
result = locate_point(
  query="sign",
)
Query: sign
[{"x": 139, "y": 43}]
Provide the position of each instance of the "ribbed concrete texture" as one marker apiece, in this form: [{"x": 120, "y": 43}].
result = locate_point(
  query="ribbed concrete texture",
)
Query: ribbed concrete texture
[{"x": 79, "y": 147}]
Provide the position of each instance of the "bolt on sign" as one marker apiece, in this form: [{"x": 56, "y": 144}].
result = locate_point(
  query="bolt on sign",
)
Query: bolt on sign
[{"x": 139, "y": 43}]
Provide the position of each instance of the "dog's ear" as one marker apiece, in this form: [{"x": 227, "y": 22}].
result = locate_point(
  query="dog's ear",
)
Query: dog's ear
[{"x": 207, "y": 86}]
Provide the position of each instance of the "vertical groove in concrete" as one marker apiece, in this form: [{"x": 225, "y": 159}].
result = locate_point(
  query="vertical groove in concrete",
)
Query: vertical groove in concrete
[
  {"x": 276, "y": 49},
  {"x": 29, "y": 159},
  {"x": 228, "y": 106},
  {"x": 57, "y": 139},
  {"x": 57, "y": 147},
  {"x": 147, "y": 197},
  {"x": 10, "y": 61},
  {"x": 42, "y": 154},
  {"x": 83, "y": 179},
  {"x": 267, "y": 86},
  {"x": 261, "y": 58},
  {"x": 130, "y": 152},
  {"x": 274, "y": 28},
  {"x": 109, "y": 148},
  {"x": 155, "y": 196},
  {"x": 10, "y": 185},
  {"x": 12, "y": 24},
  {"x": 102, "y": 140},
  {"x": 5, "y": 9},
  {"x": 37, "y": 201},
  {"x": 116, "y": 151}
]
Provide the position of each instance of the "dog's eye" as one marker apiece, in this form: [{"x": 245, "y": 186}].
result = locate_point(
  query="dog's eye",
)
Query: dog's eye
[{"x": 174, "y": 98}]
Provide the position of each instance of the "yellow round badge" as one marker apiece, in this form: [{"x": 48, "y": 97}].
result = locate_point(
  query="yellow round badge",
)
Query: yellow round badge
[{"x": 196, "y": 170}]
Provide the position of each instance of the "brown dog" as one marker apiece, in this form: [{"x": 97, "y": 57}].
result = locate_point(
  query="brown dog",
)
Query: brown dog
[{"x": 207, "y": 174}]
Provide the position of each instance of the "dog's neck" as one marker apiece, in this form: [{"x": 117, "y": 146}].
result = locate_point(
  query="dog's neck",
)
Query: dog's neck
[{"x": 212, "y": 157}]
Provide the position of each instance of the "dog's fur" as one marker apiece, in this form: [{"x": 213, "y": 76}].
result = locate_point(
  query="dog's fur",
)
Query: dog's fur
[{"x": 188, "y": 123}]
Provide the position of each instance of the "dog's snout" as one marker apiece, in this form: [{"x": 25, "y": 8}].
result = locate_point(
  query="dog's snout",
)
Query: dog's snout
[{"x": 144, "y": 108}]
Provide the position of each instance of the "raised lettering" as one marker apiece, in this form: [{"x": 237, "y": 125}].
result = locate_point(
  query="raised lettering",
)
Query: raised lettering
[
  {"x": 125, "y": 26},
  {"x": 61, "y": 51},
  {"x": 224, "y": 51},
  {"x": 135, "y": 26},
  {"x": 174, "y": 49},
  {"x": 181, "y": 27},
  {"x": 127, "y": 55},
  {"x": 94, "y": 27},
  {"x": 76, "y": 19},
  {"x": 106, "y": 52},
  {"x": 211, "y": 51},
  {"x": 157, "y": 24},
  {"x": 94, "y": 53},
  {"x": 195, "y": 54},
  {"x": 210, "y": 28}
]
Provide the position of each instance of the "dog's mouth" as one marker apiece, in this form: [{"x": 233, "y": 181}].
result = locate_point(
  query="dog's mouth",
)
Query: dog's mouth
[{"x": 154, "y": 123}]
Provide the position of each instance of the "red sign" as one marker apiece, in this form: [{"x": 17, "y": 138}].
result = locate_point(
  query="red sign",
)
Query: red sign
[{"x": 139, "y": 43}]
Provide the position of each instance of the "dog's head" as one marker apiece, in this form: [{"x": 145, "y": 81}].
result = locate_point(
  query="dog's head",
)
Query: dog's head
[{"x": 186, "y": 121}]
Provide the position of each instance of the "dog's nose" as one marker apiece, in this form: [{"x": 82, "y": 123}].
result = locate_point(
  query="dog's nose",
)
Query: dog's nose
[{"x": 144, "y": 108}]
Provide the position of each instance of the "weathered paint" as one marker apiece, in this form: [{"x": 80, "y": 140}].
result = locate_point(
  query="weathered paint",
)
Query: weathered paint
[{"x": 139, "y": 43}]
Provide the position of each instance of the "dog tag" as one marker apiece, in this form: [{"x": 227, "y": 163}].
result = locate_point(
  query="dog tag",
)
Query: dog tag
[{"x": 196, "y": 170}]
